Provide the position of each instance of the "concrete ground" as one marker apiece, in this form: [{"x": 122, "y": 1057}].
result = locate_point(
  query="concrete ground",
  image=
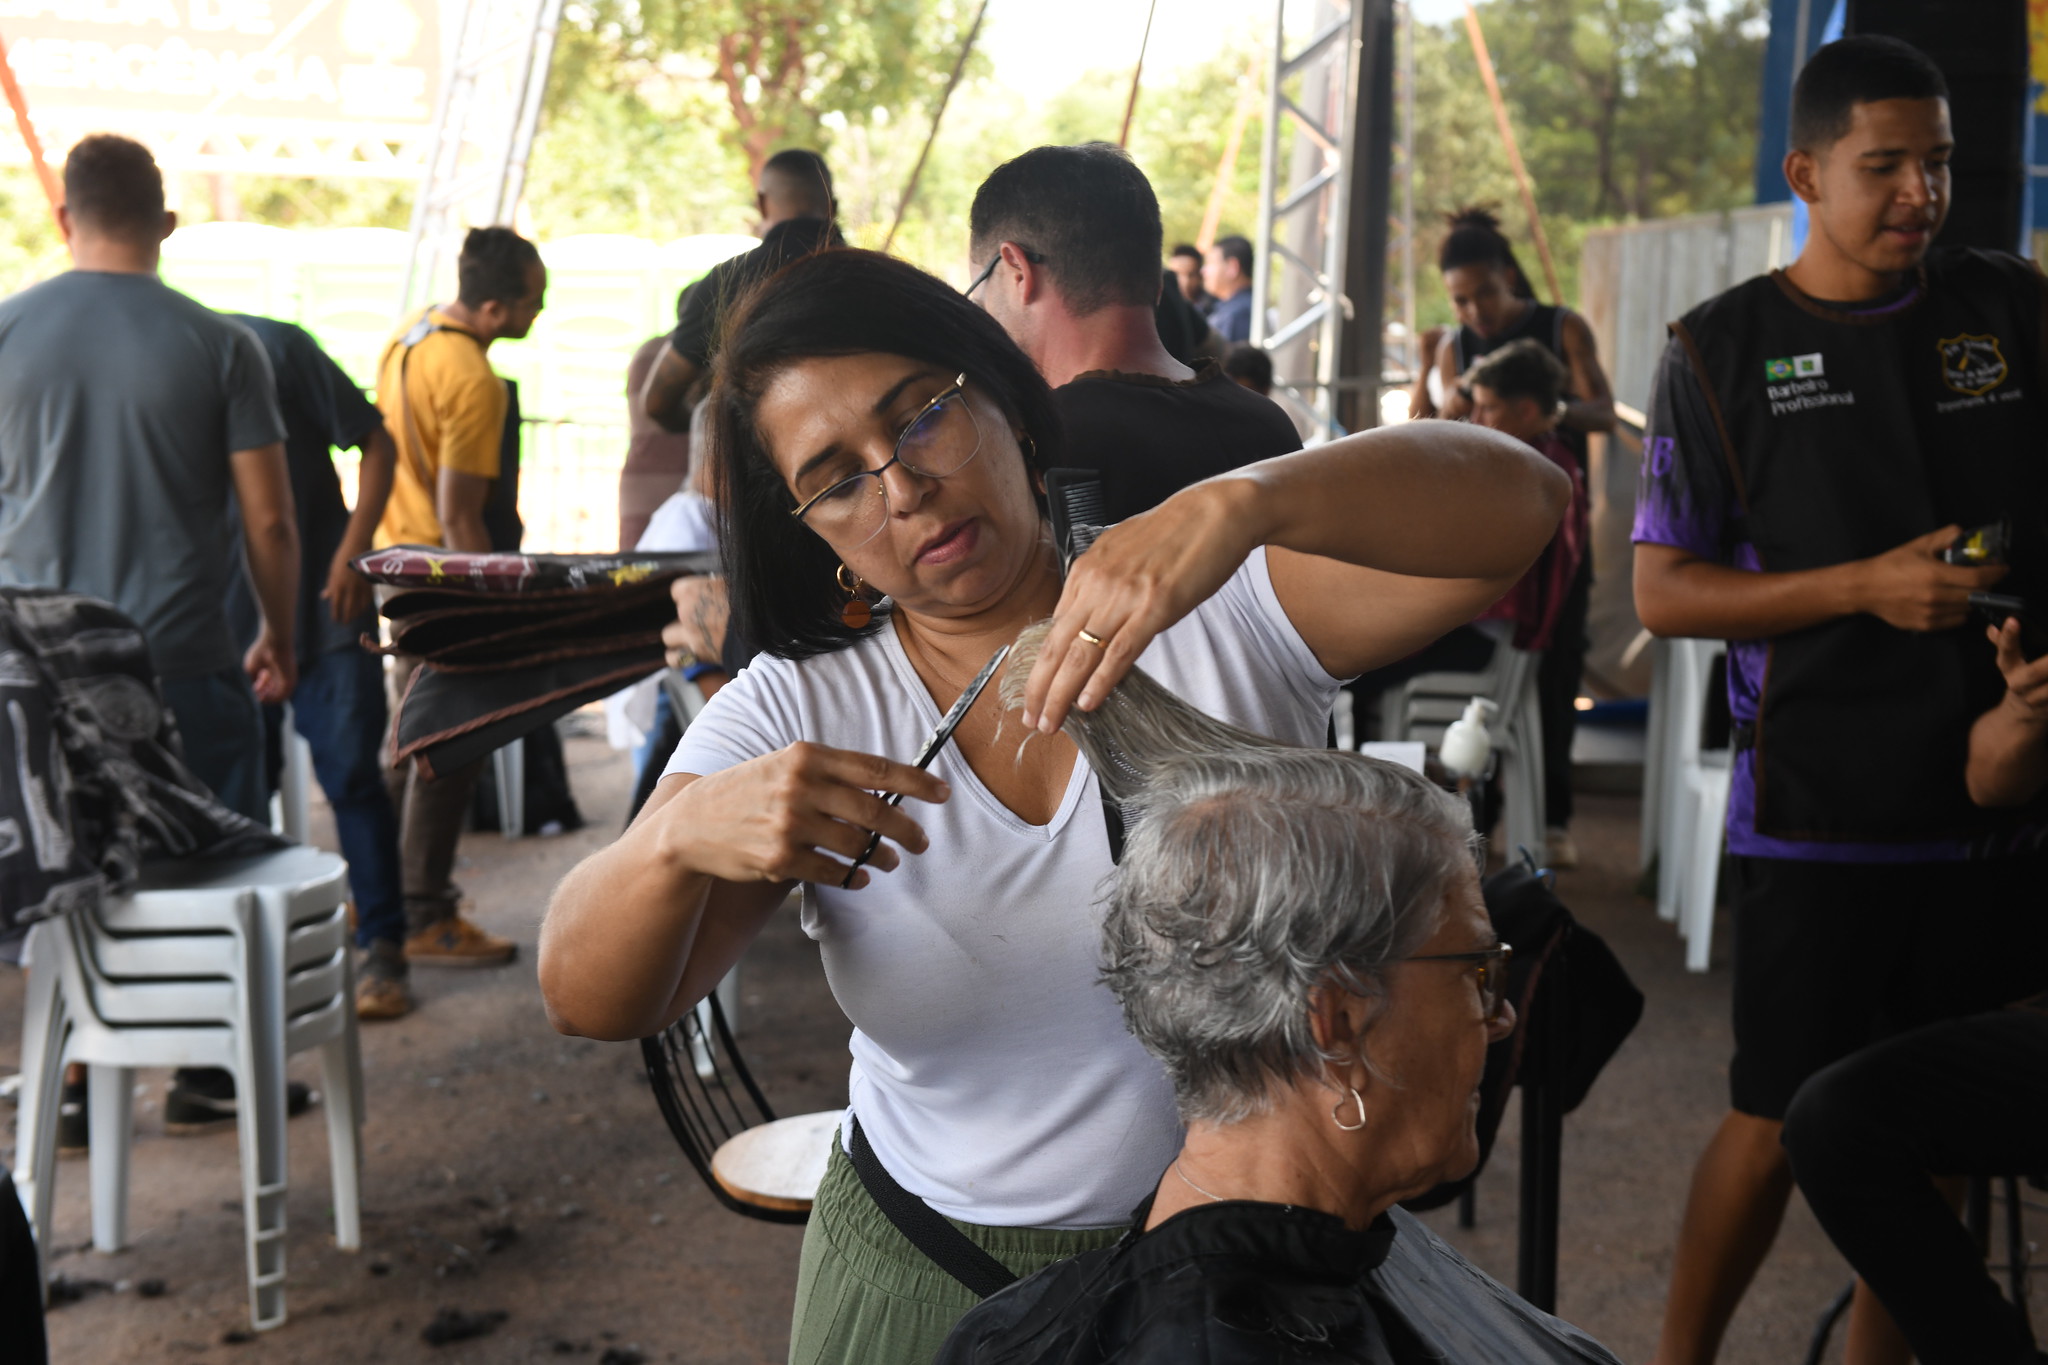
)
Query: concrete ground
[{"x": 511, "y": 1170}]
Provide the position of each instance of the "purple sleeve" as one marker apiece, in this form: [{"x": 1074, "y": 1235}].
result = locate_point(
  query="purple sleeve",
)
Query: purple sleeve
[{"x": 1684, "y": 497}]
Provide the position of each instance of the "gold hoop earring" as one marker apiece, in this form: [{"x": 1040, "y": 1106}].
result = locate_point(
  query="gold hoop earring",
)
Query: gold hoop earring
[
  {"x": 1030, "y": 448},
  {"x": 1357, "y": 1103},
  {"x": 855, "y": 613}
]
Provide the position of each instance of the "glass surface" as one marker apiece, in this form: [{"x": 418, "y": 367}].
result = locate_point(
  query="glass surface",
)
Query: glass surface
[
  {"x": 1492, "y": 964},
  {"x": 940, "y": 440}
]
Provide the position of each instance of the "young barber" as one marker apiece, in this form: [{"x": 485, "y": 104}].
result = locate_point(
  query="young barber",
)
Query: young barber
[{"x": 1817, "y": 437}]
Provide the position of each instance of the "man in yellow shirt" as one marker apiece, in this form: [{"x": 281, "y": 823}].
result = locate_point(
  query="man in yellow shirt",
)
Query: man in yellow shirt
[{"x": 445, "y": 408}]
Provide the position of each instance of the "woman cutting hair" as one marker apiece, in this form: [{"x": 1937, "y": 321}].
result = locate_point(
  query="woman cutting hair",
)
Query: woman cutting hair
[
  {"x": 882, "y": 438},
  {"x": 1298, "y": 936}
]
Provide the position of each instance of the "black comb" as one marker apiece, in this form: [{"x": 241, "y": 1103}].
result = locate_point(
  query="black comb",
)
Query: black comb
[{"x": 1079, "y": 512}]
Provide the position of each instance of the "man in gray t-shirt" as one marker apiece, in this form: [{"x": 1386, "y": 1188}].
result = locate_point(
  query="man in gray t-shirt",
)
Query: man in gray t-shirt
[{"x": 128, "y": 413}]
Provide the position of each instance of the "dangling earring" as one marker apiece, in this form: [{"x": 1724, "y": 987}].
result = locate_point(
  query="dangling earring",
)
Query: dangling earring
[
  {"x": 1030, "y": 448},
  {"x": 1357, "y": 1103},
  {"x": 856, "y": 613}
]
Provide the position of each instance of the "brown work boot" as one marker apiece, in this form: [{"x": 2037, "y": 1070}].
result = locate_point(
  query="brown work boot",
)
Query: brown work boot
[
  {"x": 455, "y": 942},
  {"x": 381, "y": 990}
]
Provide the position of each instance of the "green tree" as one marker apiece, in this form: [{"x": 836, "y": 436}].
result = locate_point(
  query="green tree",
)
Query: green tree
[
  {"x": 1178, "y": 137},
  {"x": 1633, "y": 108},
  {"x": 631, "y": 146},
  {"x": 31, "y": 248},
  {"x": 1625, "y": 109},
  {"x": 1180, "y": 134},
  {"x": 783, "y": 67}
]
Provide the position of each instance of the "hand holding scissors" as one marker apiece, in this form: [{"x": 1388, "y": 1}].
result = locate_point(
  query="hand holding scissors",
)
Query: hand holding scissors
[{"x": 935, "y": 742}]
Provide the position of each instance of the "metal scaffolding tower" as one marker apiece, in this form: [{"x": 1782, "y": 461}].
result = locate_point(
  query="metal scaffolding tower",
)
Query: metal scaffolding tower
[
  {"x": 483, "y": 131},
  {"x": 1318, "y": 285},
  {"x": 1404, "y": 354},
  {"x": 1297, "y": 282}
]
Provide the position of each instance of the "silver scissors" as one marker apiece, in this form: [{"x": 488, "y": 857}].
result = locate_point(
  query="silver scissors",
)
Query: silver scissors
[{"x": 948, "y": 723}]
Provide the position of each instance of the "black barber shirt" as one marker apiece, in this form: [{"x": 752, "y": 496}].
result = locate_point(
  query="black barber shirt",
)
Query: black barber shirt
[
  {"x": 700, "y": 310},
  {"x": 1150, "y": 437}
]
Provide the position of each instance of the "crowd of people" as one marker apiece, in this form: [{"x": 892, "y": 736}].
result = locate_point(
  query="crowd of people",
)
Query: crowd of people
[{"x": 1161, "y": 1004}]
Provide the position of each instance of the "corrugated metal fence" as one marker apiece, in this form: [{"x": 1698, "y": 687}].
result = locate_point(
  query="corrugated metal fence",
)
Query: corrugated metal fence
[{"x": 1635, "y": 279}]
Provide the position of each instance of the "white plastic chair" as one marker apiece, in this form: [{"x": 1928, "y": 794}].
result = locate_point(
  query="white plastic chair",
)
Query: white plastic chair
[
  {"x": 1694, "y": 802},
  {"x": 1426, "y": 705},
  {"x": 509, "y": 766},
  {"x": 1658, "y": 763},
  {"x": 291, "y": 807},
  {"x": 208, "y": 964}
]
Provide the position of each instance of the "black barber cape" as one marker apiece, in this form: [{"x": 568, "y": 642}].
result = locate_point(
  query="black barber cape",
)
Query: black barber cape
[
  {"x": 1848, "y": 434},
  {"x": 1242, "y": 1283}
]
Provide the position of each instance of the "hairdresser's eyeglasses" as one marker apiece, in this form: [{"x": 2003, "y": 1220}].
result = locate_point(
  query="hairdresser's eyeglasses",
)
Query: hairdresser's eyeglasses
[
  {"x": 940, "y": 440},
  {"x": 979, "y": 280},
  {"x": 1493, "y": 973}
]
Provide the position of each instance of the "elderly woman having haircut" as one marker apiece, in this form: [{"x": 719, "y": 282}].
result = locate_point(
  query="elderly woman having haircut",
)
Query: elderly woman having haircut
[
  {"x": 1298, "y": 935},
  {"x": 878, "y": 436}
]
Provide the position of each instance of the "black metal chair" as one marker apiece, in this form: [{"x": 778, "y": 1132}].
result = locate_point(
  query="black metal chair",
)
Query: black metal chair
[{"x": 717, "y": 1112}]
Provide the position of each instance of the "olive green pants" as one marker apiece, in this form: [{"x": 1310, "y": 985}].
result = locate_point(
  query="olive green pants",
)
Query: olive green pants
[{"x": 866, "y": 1296}]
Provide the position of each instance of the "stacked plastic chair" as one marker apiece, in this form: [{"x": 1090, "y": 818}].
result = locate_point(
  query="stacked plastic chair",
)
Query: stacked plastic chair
[
  {"x": 233, "y": 964},
  {"x": 1693, "y": 804},
  {"x": 1426, "y": 705}
]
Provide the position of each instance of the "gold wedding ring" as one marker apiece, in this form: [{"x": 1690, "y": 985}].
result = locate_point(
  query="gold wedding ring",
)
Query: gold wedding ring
[{"x": 1095, "y": 640}]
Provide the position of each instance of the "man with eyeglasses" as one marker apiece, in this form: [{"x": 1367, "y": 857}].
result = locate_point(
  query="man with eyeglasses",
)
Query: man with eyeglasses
[{"x": 1067, "y": 244}]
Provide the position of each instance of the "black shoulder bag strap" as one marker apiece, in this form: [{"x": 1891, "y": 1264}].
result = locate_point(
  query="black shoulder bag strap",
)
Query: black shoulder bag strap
[
  {"x": 947, "y": 1247},
  {"x": 408, "y": 441}
]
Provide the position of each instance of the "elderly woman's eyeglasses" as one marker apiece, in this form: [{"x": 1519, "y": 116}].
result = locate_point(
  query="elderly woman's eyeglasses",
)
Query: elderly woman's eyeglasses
[
  {"x": 940, "y": 440},
  {"x": 1493, "y": 973},
  {"x": 990, "y": 269}
]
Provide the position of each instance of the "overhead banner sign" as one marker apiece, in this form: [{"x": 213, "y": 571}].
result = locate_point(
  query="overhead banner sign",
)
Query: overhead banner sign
[{"x": 235, "y": 84}]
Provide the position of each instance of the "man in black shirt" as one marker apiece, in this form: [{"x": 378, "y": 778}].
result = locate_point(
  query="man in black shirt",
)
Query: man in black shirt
[
  {"x": 795, "y": 202},
  {"x": 1069, "y": 241},
  {"x": 339, "y": 705}
]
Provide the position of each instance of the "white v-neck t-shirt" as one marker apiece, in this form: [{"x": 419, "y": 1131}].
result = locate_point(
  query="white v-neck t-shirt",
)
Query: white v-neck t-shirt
[{"x": 991, "y": 1069}]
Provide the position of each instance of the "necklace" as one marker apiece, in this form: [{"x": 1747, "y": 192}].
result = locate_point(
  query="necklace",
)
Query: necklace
[{"x": 1215, "y": 1198}]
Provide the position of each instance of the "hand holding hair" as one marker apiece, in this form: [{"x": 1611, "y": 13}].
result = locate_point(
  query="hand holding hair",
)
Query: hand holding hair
[
  {"x": 1135, "y": 581},
  {"x": 1136, "y": 727},
  {"x": 1441, "y": 516}
]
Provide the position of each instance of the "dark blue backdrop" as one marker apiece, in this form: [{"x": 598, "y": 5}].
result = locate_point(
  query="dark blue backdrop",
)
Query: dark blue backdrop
[{"x": 1817, "y": 21}]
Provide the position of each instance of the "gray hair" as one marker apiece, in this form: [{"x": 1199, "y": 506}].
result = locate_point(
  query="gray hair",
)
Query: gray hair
[{"x": 1253, "y": 873}]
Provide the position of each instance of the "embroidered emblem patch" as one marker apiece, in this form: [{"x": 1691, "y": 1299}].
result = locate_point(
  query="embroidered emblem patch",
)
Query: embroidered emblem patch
[{"x": 1972, "y": 363}]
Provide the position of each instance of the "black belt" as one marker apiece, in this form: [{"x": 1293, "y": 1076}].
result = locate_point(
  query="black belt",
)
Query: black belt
[{"x": 947, "y": 1247}]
